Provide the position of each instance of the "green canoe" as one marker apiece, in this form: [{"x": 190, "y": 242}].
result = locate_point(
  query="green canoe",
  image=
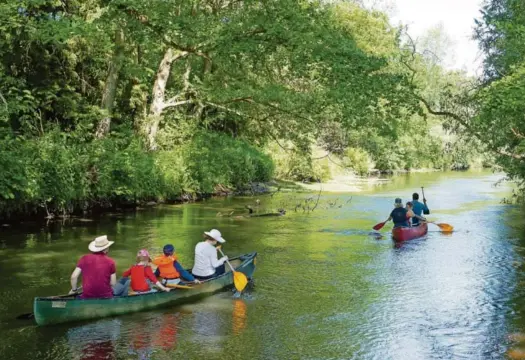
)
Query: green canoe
[{"x": 53, "y": 310}]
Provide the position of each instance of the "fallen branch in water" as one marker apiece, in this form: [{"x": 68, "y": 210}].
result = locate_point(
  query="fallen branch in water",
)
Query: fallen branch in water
[{"x": 318, "y": 196}]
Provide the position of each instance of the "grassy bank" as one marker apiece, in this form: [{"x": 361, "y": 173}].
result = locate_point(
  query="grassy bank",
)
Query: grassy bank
[{"x": 58, "y": 175}]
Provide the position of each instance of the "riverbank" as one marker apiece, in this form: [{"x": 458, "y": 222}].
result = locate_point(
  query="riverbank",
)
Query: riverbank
[
  {"x": 349, "y": 182},
  {"x": 344, "y": 183}
]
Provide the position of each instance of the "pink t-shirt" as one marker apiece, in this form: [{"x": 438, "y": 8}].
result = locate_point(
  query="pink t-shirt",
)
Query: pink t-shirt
[{"x": 96, "y": 275}]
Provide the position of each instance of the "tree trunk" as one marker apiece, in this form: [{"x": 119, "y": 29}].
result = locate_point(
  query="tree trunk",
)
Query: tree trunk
[
  {"x": 110, "y": 88},
  {"x": 158, "y": 103}
]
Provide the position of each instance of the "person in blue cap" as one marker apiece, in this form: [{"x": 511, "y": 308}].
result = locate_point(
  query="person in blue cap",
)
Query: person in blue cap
[
  {"x": 399, "y": 215},
  {"x": 169, "y": 268}
]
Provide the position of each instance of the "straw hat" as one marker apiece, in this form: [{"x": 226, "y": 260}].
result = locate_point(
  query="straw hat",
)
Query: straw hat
[
  {"x": 100, "y": 243},
  {"x": 216, "y": 235}
]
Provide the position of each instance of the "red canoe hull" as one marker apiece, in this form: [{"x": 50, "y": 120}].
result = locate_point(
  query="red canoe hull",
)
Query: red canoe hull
[{"x": 409, "y": 233}]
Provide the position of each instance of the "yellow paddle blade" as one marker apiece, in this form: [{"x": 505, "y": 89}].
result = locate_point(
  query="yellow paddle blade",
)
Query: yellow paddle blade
[
  {"x": 446, "y": 227},
  {"x": 239, "y": 280}
]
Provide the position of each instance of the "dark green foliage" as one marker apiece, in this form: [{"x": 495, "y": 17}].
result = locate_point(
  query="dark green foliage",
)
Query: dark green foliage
[
  {"x": 112, "y": 103},
  {"x": 60, "y": 175}
]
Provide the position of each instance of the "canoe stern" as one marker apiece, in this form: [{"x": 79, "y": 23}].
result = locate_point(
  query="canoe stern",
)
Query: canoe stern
[{"x": 409, "y": 233}]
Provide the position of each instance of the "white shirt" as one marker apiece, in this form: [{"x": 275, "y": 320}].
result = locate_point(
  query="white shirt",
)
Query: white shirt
[{"x": 206, "y": 259}]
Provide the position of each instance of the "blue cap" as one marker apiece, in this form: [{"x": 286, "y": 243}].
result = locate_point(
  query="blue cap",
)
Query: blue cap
[{"x": 168, "y": 249}]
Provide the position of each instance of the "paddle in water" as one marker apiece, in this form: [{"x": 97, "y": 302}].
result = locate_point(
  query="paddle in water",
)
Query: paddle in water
[
  {"x": 443, "y": 227},
  {"x": 29, "y": 316},
  {"x": 239, "y": 279}
]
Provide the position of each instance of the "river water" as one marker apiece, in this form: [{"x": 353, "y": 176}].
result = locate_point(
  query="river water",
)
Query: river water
[{"x": 325, "y": 287}]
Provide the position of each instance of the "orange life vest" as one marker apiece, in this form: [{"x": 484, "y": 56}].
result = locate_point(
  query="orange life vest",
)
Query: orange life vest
[{"x": 166, "y": 267}]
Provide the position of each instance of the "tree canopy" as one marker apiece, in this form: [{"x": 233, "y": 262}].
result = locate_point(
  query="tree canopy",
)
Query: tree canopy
[{"x": 103, "y": 94}]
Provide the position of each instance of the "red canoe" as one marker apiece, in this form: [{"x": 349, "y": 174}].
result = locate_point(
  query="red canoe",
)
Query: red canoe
[{"x": 409, "y": 233}]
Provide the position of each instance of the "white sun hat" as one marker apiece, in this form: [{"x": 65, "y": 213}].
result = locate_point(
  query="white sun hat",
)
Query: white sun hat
[
  {"x": 100, "y": 243},
  {"x": 216, "y": 235}
]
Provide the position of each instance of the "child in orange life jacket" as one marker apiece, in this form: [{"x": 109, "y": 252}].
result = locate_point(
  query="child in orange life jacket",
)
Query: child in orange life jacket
[
  {"x": 142, "y": 277},
  {"x": 170, "y": 269}
]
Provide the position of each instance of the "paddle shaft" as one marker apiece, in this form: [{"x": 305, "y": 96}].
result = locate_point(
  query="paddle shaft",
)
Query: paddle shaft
[
  {"x": 31, "y": 315},
  {"x": 175, "y": 286},
  {"x": 231, "y": 267},
  {"x": 78, "y": 292}
]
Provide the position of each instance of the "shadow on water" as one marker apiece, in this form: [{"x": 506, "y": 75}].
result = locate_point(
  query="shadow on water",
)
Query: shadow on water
[{"x": 328, "y": 287}]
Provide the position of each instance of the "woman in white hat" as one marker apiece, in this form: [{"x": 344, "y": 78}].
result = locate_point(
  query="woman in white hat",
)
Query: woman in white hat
[
  {"x": 98, "y": 271},
  {"x": 207, "y": 265}
]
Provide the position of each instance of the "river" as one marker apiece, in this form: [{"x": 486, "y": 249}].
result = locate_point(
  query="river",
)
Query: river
[{"x": 325, "y": 288}]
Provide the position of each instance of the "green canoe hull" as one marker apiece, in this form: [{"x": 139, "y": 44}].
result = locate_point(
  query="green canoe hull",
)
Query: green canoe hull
[{"x": 53, "y": 310}]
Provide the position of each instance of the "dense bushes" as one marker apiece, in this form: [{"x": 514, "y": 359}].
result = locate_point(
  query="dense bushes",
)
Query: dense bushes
[
  {"x": 213, "y": 158},
  {"x": 58, "y": 173}
]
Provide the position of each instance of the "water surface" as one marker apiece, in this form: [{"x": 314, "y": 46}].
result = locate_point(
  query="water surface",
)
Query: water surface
[{"x": 325, "y": 287}]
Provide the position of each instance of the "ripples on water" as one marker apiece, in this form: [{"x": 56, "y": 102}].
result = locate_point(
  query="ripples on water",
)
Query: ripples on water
[{"x": 326, "y": 287}]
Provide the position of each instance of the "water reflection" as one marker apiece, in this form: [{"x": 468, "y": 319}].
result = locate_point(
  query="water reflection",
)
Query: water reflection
[
  {"x": 166, "y": 338},
  {"x": 94, "y": 341},
  {"x": 206, "y": 324},
  {"x": 517, "y": 349},
  {"x": 150, "y": 333},
  {"x": 239, "y": 315}
]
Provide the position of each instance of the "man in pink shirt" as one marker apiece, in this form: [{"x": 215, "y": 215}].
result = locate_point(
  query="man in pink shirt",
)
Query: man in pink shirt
[{"x": 98, "y": 271}]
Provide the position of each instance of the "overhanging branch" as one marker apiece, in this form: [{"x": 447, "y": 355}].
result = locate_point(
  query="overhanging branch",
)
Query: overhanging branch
[
  {"x": 471, "y": 131},
  {"x": 175, "y": 104}
]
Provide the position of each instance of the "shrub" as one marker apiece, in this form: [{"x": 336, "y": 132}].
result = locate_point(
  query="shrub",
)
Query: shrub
[{"x": 62, "y": 172}]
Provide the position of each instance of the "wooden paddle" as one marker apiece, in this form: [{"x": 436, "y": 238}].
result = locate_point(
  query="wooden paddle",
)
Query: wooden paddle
[
  {"x": 443, "y": 227},
  {"x": 176, "y": 286},
  {"x": 379, "y": 226},
  {"x": 29, "y": 316},
  {"x": 423, "y": 193},
  {"x": 239, "y": 279}
]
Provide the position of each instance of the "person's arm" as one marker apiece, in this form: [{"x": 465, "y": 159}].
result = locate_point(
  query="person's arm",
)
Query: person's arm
[
  {"x": 127, "y": 273},
  {"x": 389, "y": 219},
  {"x": 113, "y": 279},
  {"x": 185, "y": 274},
  {"x": 148, "y": 272},
  {"x": 426, "y": 210},
  {"x": 74, "y": 280},
  {"x": 214, "y": 261},
  {"x": 162, "y": 287}
]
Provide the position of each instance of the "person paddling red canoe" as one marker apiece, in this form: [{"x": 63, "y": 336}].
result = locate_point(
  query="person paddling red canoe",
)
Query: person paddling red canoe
[{"x": 401, "y": 216}]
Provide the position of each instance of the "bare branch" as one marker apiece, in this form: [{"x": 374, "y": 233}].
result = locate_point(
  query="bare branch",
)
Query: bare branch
[
  {"x": 247, "y": 99},
  {"x": 517, "y": 133},
  {"x": 186, "y": 77},
  {"x": 322, "y": 157},
  {"x": 474, "y": 133},
  {"x": 4, "y": 100},
  {"x": 227, "y": 109},
  {"x": 175, "y": 104}
]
